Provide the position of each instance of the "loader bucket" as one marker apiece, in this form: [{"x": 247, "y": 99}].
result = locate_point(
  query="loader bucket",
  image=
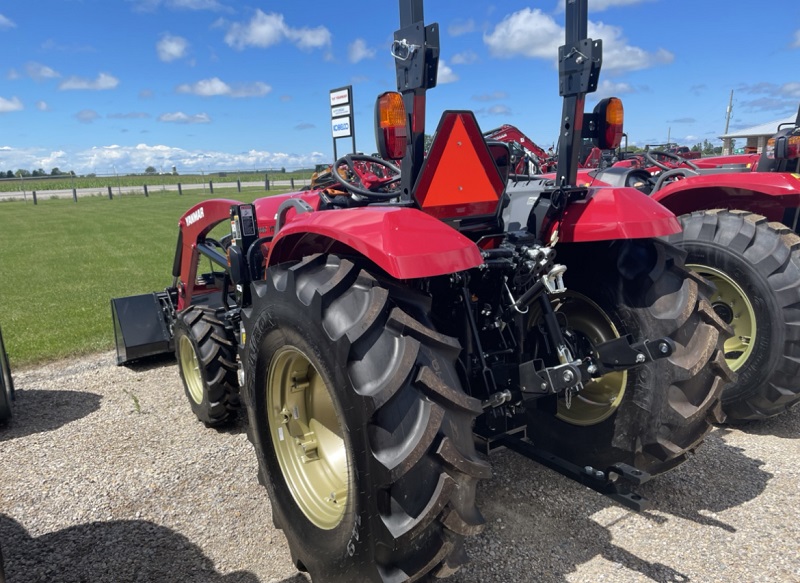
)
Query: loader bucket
[{"x": 141, "y": 326}]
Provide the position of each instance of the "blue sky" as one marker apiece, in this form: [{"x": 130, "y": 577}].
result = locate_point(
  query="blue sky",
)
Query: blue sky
[{"x": 105, "y": 85}]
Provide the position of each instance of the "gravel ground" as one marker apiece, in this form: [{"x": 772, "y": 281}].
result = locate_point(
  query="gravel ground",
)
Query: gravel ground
[{"x": 106, "y": 476}]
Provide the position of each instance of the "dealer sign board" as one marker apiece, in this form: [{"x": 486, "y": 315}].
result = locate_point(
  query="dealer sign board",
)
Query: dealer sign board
[{"x": 341, "y": 100}]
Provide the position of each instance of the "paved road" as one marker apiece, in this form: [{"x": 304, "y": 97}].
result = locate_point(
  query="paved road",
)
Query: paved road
[{"x": 154, "y": 189}]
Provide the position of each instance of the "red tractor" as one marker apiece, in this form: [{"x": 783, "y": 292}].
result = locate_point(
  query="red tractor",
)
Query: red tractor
[
  {"x": 740, "y": 229},
  {"x": 377, "y": 330},
  {"x": 527, "y": 157}
]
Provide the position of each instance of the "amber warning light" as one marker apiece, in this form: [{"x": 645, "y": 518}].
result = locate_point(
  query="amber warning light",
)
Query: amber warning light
[
  {"x": 391, "y": 133},
  {"x": 609, "y": 116}
]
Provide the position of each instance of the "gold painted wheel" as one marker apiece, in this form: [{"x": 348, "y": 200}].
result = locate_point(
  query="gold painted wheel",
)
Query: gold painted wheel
[
  {"x": 308, "y": 439},
  {"x": 732, "y": 305},
  {"x": 190, "y": 367},
  {"x": 601, "y": 397}
]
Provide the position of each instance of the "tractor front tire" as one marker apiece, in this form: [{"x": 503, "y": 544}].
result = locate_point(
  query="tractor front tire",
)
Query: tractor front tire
[
  {"x": 206, "y": 353},
  {"x": 755, "y": 266},
  {"x": 652, "y": 416},
  {"x": 6, "y": 384},
  {"x": 362, "y": 431}
]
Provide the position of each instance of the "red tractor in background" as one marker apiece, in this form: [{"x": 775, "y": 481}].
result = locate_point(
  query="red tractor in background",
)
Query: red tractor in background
[
  {"x": 528, "y": 158},
  {"x": 376, "y": 330},
  {"x": 740, "y": 229}
]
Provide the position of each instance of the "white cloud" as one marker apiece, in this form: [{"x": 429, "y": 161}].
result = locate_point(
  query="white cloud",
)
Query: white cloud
[
  {"x": 531, "y": 33},
  {"x": 445, "y": 74},
  {"x": 171, "y": 48},
  {"x": 99, "y": 159},
  {"x": 358, "y": 51},
  {"x": 7, "y": 105},
  {"x": 215, "y": 87},
  {"x": 790, "y": 89},
  {"x": 465, "y": 58},
  {"x": 618, "y": 56},
  {"x": 150, "y": 5},
  {"x": 796, "y": 43},
  {"x": 42, "y": 106},
  {"x": 39, "y": 72},
  {"x": 180, "y": 117},
  {"x": 493, "y": 96},
  {"x": 499, "y": 109},
  {"x": 6, "y": 23},
  {"x": 460, "y": 27},
  {"x": 87, "y": 115},
  {"x": 310, "y": 38},
  {"x": 103, "y": 81},
  {"x": 608, "y": 88},
  {"x": 12, "y": 75},
  {"x": 129, "y": 115},
  {"x": 265, "y": 30}
]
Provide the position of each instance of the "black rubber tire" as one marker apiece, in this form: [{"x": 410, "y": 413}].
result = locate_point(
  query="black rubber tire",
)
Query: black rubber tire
[
  {"x": 669, "y": 405},
  {"x": 6, "y": 384},
  {"x": 407, "y": 425},
  {"x": 763, "y": 258},
  {"x": 215, "y": 347}
]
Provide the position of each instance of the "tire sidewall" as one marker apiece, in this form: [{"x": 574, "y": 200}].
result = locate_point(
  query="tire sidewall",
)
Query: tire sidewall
[
  {"x": 763, "y": 359},
  {"x": 202, "y": 410},
  {"x": 285, "y": 323},
  {"x": 6, "y": 384}
]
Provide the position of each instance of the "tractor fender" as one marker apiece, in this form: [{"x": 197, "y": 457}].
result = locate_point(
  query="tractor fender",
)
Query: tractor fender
[
  {"x": 765, "y": 193},
  {"x": 404, "y": 242},
  {"x": 609, "y": 213}
]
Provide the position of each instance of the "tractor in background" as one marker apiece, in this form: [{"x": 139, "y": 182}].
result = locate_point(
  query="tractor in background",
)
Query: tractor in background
[
  {"x": 381, "y": 330},
  {"x": 739, "y": 218}
]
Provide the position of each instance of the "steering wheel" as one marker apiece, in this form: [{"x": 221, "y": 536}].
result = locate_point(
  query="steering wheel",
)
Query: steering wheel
[
  {"x": 367, "y": 176},
  {"x": 671, "y": 175},
  {"x": 678, "y": 159}
]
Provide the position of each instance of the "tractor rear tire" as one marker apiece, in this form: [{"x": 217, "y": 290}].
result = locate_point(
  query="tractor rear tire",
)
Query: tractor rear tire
[
  {"x": 6, "y": 384},
  {"x": 755, "y": 265},
  {"x": 206, "y": 353},
  {"x": 653, "y": 416},
  {"x": 361, "y": 428}
]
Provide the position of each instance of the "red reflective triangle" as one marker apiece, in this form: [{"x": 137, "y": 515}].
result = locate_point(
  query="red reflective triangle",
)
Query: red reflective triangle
[{"x": 459, "y": 178}]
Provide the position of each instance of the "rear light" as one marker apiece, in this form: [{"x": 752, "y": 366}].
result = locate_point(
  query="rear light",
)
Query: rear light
[
  {"x": 391, "y": 132},
  {"x": 609, "y": 116},
  {"x": 784, "y": 147}
]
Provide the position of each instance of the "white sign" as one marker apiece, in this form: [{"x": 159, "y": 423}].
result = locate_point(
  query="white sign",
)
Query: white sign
[
  {"x": 341, "y": 127},
  {"x": 341, "y": 110},
  {"x": 339, "y": 97}
]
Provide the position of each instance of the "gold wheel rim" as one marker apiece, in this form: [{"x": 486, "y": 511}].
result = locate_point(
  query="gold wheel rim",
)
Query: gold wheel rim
[
  {"x": 732, "y": 305},
  {"x": 190, "y": 367},
  {"x": 601, "y": 397},
  {"x": 308, "y": 438}
]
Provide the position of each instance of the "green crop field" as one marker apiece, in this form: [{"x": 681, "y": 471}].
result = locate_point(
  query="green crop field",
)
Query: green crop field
[{"x": 61, "y": 262}]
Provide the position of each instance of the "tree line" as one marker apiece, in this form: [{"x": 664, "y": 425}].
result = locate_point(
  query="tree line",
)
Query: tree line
[{"x": 22, "y": 173}]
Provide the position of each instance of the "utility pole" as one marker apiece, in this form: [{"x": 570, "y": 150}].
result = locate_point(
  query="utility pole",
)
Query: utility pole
[
  {"x": 726, "y": 142},
  {"x": 728, "y": 114}
]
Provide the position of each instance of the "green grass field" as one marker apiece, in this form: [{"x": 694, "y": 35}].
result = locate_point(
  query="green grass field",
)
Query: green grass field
[{"x": 61, "y": 262}]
